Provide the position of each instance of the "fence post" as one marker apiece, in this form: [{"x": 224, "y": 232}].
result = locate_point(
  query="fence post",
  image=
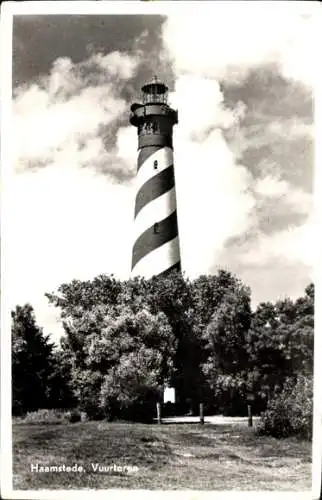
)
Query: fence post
[
  {"x": 159, "y": 413},
  {"x": 250, "y": 417},
  {"x": 202, "y": 420}
]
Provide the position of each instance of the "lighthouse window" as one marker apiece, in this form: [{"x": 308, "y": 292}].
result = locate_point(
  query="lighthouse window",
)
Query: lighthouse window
[
  {"x": 156, "y": 228},
  {"x": 155, "y": 163}
]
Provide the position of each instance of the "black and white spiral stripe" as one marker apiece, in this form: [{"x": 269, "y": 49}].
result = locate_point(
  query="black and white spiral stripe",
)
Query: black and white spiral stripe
[{"x": 156, "y": 241}]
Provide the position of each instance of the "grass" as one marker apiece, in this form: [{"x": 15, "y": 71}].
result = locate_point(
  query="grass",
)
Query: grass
[{"x": 176, "y": 456}]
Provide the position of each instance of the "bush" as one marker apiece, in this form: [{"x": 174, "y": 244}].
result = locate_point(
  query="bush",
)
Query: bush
[
  {"x": 229, "y": 394},
  {"x": 290, "y": 412},
  {"x": 50, "y": 416},
  {"x": 72, "y": 416},
  {"x": 43, "y": 416},
  {"x": 135, "y": 411},
  {"x": 84, "y": 416}
]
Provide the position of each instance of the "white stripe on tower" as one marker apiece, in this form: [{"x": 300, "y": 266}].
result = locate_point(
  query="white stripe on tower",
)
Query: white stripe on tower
[
  {"x": 158, "y": 209},
  {"x": 164, "y": 159},
  {"x": 158, "y": 260}
]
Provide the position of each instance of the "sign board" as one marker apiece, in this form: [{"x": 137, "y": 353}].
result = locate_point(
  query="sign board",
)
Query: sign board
[{"x": 169, "y": 395}]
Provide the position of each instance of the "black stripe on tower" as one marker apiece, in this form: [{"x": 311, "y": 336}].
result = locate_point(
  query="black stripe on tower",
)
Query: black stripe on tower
[
  {"x": 156, "y": 186},
  {"x": 149, "y": 240},
  {"x": 175, "y": 267}
]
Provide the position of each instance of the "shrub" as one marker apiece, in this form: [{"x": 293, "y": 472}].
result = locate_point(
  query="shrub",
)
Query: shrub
[
  {"x": 84, "y": 416},
  {"x": 290, "y": 412},
  {"x": 73, "y": 416},
  {"x": 87, "y": 385},
  {"x": 229, "y": 394},
  {"x": 44, "y": 416},
  {"x": 50, "y": 416}
]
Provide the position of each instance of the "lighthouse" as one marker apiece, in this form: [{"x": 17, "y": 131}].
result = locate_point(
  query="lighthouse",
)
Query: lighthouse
[{"x": 156, "y": 248}]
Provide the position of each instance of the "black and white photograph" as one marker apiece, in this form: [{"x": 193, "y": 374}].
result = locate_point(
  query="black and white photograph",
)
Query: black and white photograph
[{"x": 159, "y": 248}]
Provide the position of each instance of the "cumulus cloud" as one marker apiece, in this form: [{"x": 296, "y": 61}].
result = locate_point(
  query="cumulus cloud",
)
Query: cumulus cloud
[
  {"x": 44, "y": 127},
  {"x": 292, "y": 127},
  {"x": 279, "y": 190},
  {"x": 68, "y": 109},
  {"x": 212, "y": 189},
  {"x": 127, "y": 144},
  {"x": 224, "y": 42},
  {"x": 220, "y": 200},
  {"x": 293, "y": 245},
  {"x": 201, "y": 104}
]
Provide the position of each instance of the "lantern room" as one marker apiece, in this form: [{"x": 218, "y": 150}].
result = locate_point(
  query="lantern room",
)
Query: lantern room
[{"x": 155, "y": 92}]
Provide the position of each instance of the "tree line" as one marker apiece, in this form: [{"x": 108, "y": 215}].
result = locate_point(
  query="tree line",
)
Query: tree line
[{"x": 125, "y": 340}]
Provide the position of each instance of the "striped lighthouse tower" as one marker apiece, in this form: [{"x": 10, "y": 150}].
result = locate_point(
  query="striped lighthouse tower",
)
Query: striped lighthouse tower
[{"x": 156, "y": 240}]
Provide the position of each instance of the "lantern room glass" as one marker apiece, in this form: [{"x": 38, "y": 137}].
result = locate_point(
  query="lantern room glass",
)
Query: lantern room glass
[{"x": 155, "y": 93}]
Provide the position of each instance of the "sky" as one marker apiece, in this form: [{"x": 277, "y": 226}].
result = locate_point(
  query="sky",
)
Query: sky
[{"x": 242, "y": 81}]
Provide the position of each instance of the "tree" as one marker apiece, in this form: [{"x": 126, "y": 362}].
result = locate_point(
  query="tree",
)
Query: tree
[
  {"x": 171, "y": 295},
  {"x": 78, "y": 296},
  {"x": 300, "y": 333},
  {"x": 141, "y": 348},
  {"x": 122, "y": 360},
  {"x": 290, "y": 412},
  {"x": 280, "y": 345},
  {"x": 60, "y": 393},
  {"x": 268, "y": 365},
  {"x": 32, "y": 362},
  {"x": 225, "y": 342}
]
